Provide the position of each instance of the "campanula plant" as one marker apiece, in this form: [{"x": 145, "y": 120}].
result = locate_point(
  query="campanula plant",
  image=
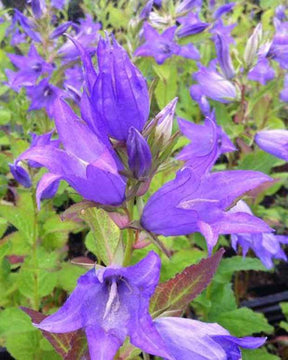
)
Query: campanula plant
[{"x": 142, "y": 179}]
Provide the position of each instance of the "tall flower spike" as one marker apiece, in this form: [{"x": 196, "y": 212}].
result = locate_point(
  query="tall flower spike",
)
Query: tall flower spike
[
  {"x": 266, "y": 246},
  {"x": 192, "y": 203},
  {"x": 111, "y": 304},
  {"x": 208, "y": 142},
  {"x": 87, "y": 164},
  {"x": 120, "y": 95}
]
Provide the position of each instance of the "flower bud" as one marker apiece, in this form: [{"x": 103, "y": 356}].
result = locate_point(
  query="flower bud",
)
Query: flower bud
[
  {"x": 139, "y": 154},
  {"x": 20, "y": 174},
  {"x": 252, "y": 46},
  {"x": 164, "y": 122}
]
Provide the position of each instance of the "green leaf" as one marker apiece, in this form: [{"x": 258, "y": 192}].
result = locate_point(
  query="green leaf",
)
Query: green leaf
[
  {"x": 244, "y": 321},
  {"x": 284, "y": 308},
  {"x": 259, "y": 354},
  {"x": 105, "y": 232},
  {"x": 70, "y": 346},
  {"x": 259, "y": 161},
  {"x": 21, "y": 216},
  {"x": 237, "y": 263},
  {"x": 175, "y": 294},
  {"x": 166, "y": 89},
  {"x": 284, "y": 325},
  {"x": 68, "y": 276}
]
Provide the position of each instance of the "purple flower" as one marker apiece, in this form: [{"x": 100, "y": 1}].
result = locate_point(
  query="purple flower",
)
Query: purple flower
[
  {"x": 87, "y": 34},
  {"x": 223, "y": 56},
  {"x": 38, "y": 7},
  {"x": 145, "y": 12},
  {"x": 279, "y": 47},
  {"x": 274, "y": 142},
  {"x": 31, "y": 67},
  {"x": 58, "y": 4},
  {"x": 60, "y": 30},
  {"x": 190, "y": 25},
  {"x": 188, "y": 5},
  {"x": 224, "y": 9},
  {"x": 197, "y": 95},
  {"x": 224, "y": 31},
  {"x": 262, "y": 72},
  {"x": 20, "y": 174},
  {"x": 208, "y": 142},
  {"x": 26, "y": 25},
  {"x": 44, "y": 96},
  {"x": 120, "y": 95},
  {"x": 284, "y": 92},
  {"x": 160, "y": 46},
  {"x": 212, "y": 84},
  {"x": 139, "y": 154},
  {"x": 73, "y": 82},
  {"x": 111, "y": 304},
  {"x": 192, "y": 339},
  {"x": 190, "y": 203},
  {"x": 87, "y": 164},
  {"x": 266, "y": 246},
  {"x": 280, "y": 12}
]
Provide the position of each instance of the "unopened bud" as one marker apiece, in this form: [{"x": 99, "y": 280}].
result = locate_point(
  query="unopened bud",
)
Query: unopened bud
[{"x": 252, "y": 46}]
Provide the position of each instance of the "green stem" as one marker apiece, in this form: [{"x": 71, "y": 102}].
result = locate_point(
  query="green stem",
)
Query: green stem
[
  {"x": 36, "y": 304},
  {"x": 129, "y": 248}
]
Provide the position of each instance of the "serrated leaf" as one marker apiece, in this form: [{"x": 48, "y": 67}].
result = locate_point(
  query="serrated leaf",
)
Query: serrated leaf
[
  {"x": 243, "y": 322},
  {"x": 69, "y": 345},
  {"x": 68, "y": 275},
  {"x": 105, "y": 232},
  {"x": 175, "y": 294},
  {"x": 237, "y": 263},
  {"x": 258, "y": 161}
]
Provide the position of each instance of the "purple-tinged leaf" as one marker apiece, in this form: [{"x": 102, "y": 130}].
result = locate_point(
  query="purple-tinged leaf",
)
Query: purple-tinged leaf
[
  {"x": 71, "y": 346},
  {"x": 174, "y": 295}
]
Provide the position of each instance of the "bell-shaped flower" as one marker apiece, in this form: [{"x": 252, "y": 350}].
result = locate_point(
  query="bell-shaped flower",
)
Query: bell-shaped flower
[
  {"x": 73, "y": 82},
  {"x": 120, "y": 95},
  {"x": 44, "y": 96},
  {"x": 191, "y": 203},
  {"x": 252, "y": 48},
  {"x": 280, "y": 12},
  {"x": 111, "y": 304},
  {"x": 266, "y": 246},
  {"x": 190, "y": 25},
  {"x": 20, "y": 174},
  {"x": 192, "y": 339},
  {"x": 223, "y": 56},
  {"x": 160, "y": 46},
  {"x": 38, "y": 7},
  {"x": 262, "y": 72},
  {"x": 26, "y": 25},
  {"x": 87, "y": 164},
  {"x": 224, "y": 9},
  {"x": 213, "y": 85},
  {"x": 139, "y": 154},
  {"x": 197, "y": 95},
  {"x": 30, "y": 68},
  {"x": 274, "y": 142},
  {"x": 279, "y": 47},
  {"x": 223, "y": 30},
  {"x": 188, "y": 5},
  {"x": 86, "y": 33},
  {"x": 208, "y": 142}
]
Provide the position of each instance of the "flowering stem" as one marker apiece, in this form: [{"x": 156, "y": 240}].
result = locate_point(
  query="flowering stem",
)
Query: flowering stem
[
  {"x": 130, "y": 238},
  {"x": 34, "y": 253}
]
